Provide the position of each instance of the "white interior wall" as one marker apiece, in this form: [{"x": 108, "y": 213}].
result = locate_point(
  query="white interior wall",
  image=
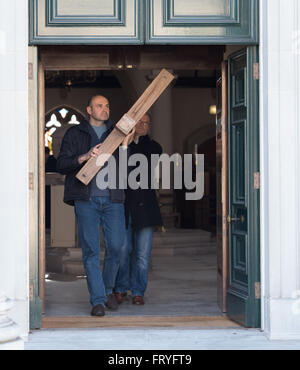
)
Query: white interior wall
[{"x": 191, "y": 112}]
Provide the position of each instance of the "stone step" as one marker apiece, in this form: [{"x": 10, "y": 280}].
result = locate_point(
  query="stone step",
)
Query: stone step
[
  {"x": 75, "y": 267},
  {"x": 55, "y": 258},
  {"x": 183, "y": 251},
  {"x": 175, "y": 242},
  {"x": 180, "y": 248},
  {"x": 72, "y": 267},
  {"x": 188, "y": 231},
  {"x": 185, "y": 232},
  {"x": 71, "y": 263},
  {"x": 75, "y": 254},
  {"x": 162, "y": 240},
  {"x": 179, "y": 240},
  {"x": 184, "y": 245}
]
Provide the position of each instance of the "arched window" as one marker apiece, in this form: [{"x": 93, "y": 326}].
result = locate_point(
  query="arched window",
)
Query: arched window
[{"x": 57, "y": 122}]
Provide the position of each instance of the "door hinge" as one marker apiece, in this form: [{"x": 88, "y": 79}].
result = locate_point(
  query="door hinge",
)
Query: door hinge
[
  {"x": 30, "y": 71},
  {"x": 31, "y": 178},
  {"x": 31, "y": 295},
  {"x": 257, "y": 180},
  {"x": 257, "y": 291},
  {"x": 256, "y": 71}
]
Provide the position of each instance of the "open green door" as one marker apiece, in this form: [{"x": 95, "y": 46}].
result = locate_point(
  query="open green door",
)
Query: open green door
[{"x": 243, "y": 295}]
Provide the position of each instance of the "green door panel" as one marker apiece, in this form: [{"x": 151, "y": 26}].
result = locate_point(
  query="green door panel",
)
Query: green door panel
[
  {"x": 143, "y": 21},
  {"x": 86, "y": 22},
  {"x": 243, "y": 304},
  {"x": 202, "y": 21}
]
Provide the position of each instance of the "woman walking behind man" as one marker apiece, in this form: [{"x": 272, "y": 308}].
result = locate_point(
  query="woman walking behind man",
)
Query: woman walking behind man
[{"x": 142, "y": 215}]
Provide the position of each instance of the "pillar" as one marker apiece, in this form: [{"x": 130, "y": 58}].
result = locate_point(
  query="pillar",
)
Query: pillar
[
  {"x": 9, "y": 331},
  {"x": 14, "y": 287},
  {"x": 280, "y": 167}
]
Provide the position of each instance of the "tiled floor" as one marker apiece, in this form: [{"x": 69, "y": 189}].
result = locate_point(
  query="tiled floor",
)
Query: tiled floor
[{"x": 180, "y": 285}]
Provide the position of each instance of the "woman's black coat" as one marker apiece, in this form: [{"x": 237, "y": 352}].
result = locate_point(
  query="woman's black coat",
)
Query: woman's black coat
[{"x": 142, "y": 204}]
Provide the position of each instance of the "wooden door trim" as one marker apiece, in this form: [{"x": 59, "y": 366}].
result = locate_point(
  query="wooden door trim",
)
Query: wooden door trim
[
  {"x": 42, "y": 183},
  {"x": 225, "y": 188},
  {"x": 35, "y": 304}
]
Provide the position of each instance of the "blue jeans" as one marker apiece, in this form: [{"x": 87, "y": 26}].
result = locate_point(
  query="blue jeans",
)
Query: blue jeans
[
  {"x": 90, "y": 215},
  {"x": 135, "y": 261}
]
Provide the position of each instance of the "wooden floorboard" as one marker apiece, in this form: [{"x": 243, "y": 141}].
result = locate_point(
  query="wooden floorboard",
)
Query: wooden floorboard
[{"x": 89, "y": 322}]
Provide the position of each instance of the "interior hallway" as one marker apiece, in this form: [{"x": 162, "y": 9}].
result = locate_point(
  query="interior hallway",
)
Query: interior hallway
[{"x": 182, "y": 281}]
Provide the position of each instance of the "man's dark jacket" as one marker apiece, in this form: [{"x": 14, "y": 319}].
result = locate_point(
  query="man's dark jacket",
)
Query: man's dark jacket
[
  {"x": 77, "y": 141},
  {"x": 142, "y": 204}
]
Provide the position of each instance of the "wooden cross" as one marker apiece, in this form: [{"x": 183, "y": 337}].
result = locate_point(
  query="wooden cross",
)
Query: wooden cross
[{"x": 125, "y": 125}]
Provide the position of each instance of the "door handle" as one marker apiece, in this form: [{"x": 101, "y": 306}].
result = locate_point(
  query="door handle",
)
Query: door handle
[{"x": 232, "y": 219}]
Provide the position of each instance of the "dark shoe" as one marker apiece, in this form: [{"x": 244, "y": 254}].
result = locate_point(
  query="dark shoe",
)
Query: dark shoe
[
  {"x": 98, "y": 310},
  {"x": 120, "y": 297},
  {"x": 138, "y": 300},
  {"x": 112, "y": 302}
]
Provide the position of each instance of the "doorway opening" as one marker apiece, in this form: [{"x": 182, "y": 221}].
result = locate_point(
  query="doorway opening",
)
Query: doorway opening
[{"x": 189, "y": 262}]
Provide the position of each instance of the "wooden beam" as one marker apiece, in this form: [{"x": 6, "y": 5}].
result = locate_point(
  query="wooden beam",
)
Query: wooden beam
[
  {"x": 77, "y": 58},
  {"x": 104, "y": 57},
  {"x": 125, "y": 125},
  {"x": 179, "y": 57}
]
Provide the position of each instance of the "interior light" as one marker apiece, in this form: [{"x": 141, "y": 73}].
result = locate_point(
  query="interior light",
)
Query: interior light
[{"x": 213, "y": 110}]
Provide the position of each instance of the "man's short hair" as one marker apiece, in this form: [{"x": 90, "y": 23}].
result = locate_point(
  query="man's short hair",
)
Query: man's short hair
[{"x": 93, "y": 97}]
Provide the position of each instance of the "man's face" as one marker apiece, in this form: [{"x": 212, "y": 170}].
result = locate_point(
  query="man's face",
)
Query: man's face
[
  {"x": 99, "y": 109},
  {"x": 142, "y": 127}
]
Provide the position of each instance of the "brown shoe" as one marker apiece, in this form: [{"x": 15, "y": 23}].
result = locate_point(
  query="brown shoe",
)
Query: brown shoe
[
  {"x": 120, "y": 297},
  {"x": 138, "y": 300},
  {"x": 98, "y": 310},
  {"x": 111, "y": 302}
]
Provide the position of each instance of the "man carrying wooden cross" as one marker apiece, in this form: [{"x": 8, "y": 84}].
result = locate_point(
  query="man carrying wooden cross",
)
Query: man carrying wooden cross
[{"x": 94, "y": 205}]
